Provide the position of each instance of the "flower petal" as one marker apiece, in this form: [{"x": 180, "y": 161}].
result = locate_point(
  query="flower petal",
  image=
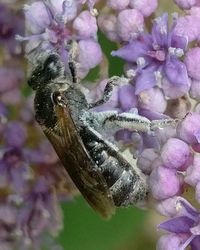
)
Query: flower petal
[
  {"x": 180, "y": 42},
  {"x": 160, "y": 30},
  {"x": 170, "y": 241},
  {"x": 127, "y": 97},
  {"x": 131, "y": 51},
  {"x": 90, "y": 55},
  {"x": 146, "y": 79},
  {"x": 180, "y": 224},
  {"x": 176, "y": 71},
  {"x": 195, "y": 243}
]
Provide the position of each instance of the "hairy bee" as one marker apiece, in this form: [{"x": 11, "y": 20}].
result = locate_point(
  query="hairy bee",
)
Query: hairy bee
[{"x": 101, "y": 173}]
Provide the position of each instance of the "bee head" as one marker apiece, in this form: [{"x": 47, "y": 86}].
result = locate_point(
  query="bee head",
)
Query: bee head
[{"x": 47, "y": 68}]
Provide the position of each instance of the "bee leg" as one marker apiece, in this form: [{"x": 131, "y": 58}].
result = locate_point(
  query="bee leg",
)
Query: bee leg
[
  {"x": 72, "y": 47},
  {"x": 126, "y": 120},
  {"x": 155, "y": 124},
  {"x": 136, "y": 122},
  {"x": 112, "y": 82},
  {"x": 112, "y": 120}
]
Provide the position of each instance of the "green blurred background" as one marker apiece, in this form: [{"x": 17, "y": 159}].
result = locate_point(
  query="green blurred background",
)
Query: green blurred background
[{"x": 128, "y": 229}]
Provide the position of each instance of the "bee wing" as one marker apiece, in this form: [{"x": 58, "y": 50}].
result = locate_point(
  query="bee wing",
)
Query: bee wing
[{"x": 76, "y": 160}]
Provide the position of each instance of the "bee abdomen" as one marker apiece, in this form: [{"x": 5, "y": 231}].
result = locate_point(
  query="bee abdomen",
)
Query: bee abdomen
[
  {"x": 129, "y": 189},
  {"x": 126, "y": 183},
  {"x": 108, "y": 165}
]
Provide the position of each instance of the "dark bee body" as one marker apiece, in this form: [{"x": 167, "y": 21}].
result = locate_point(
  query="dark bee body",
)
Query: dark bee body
[{"x": 104, "y": 177}]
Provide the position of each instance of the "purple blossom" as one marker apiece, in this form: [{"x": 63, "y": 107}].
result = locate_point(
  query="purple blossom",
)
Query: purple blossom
[
  {"x": 146, "y": 160},
  {"x": 193, "y": 172},
  {"x": 10, "y": 80},
  {"x": 185, "y": 4},
  {"x": 52, "y": 24},
  {"x": 189, "y": 25},
  {"x": 189, "y": 128},
  {"x": 156, "y": 55},
  {"x": 118, "y": 4},
  {"x": 108, "y": 25},
  {"x": 195, "y": 90},
  {"x": 146, "y": 7},
  {"x": 153, "y": 99},
  {"x": 175, "y": 154},
  {"x": 129, "y": 23},
  {"x": 164, "y": 182},
  {"x": 184, "y": 228},
  {"x": 192, "y": 63},
  {"x": 124, "y": 27},
  {"x": 11, "y": 24}
]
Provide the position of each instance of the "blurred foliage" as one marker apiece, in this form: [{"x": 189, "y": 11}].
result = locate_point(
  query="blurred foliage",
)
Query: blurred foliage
[
  {"x": 115, "y": 64},
  {"x": 85, "y": 230}
]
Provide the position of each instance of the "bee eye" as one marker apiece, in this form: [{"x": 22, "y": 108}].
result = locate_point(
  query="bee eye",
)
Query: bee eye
[{"x": 57, "y": 98}]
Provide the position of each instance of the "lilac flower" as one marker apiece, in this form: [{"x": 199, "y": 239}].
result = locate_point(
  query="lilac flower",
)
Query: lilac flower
[
  {"x": 146, "y": 7},
  {"x": 153, "y": 99},
  {"x": 39, "y": 206},
  {"x": 189, "y": 25},
  {"x": 118, "y": 4},
  {"x": 129, "y": 23},
  {"x": 10, "y": 25},
  {"x": 192, "y": 63},
  {"x": 156, "y": 55},
  {"x": 175, "y": 154},
  {"x": 3, "y": 117},
  {"x": 52, "y": 24},
  {"x": 195, "y": 90},
  {"x": 184, "y": 228},
  {"x": 185, "y": 4},
  {"x": 146, "y": 160},
  {"x": 164, "y": 182},
  {"x": 10, "y": 80},
  {"x": 30, "y": 191},
  {"x": 192, "y": 176},
  {"x": 108, "y": 25},
  {"x": 189, "y": 128}
]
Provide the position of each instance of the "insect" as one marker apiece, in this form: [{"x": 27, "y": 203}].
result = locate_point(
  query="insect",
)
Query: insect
[{"x": 101, "y": 173}]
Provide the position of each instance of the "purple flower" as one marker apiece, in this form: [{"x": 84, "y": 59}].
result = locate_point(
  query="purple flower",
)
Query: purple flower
[
  {"x": 192, "y": 176},
  {"x": 184, "y": 228},
  {"x": 3, "y": 117},
  {"x": 10, "y": 25},
  {"x": 52, "y": 24},
  {"x": 195, "y": 90},
  {"x": 129, "y": 23},
  {"x": 118, "y": 4},
  {"x": 192, "y": 63},
  {"x": 189, "y": 129},
  {"x": 175, "y": 154},
  {"x": 10, "y": 80},
  {"x": 40, "y": 212},
  {"x": 146, "y": 7},
  {"x": 164, "y": 182},
  {"x": 189, "y": 25},
  {"x": 185, "y": 4},
  {"x": 157, "y": 55},
  {"x": 153, "y": 99}
]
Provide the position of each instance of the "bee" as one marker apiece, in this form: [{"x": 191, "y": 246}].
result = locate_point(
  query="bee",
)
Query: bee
[{"x": 98, "y": 169}]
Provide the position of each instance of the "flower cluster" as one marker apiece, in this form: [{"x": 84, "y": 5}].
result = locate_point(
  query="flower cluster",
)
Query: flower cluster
[
  {"x": 52, "y": 25},
  {"x": 32, "y": 180},
  {"x": 161, "y": 59}
]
